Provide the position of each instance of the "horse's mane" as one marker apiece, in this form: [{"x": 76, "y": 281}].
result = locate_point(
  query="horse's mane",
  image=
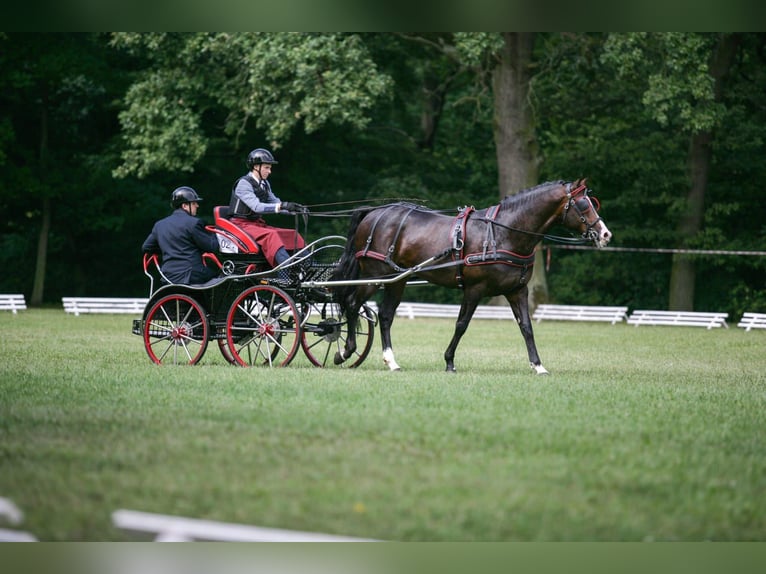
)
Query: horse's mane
[{"x": 526, "y": 195}]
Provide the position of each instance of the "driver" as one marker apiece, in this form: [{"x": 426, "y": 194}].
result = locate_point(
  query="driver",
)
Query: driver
[{"x": 251, "y": 197}]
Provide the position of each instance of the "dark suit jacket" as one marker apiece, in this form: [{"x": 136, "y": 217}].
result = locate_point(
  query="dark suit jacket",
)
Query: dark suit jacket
[{"x": 182, "y": 239}]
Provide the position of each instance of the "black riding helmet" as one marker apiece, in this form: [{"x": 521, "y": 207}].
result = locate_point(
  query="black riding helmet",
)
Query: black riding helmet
[
  {"x": 183, "y": 195},
  {"x": 259, "y": 156}
]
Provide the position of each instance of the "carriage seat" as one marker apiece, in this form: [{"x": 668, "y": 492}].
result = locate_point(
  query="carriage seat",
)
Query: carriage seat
[
  {"x": 232, "y": 231},
  {"x": 153, "y": 270}
]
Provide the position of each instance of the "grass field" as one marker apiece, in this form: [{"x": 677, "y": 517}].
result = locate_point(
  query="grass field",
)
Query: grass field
[{"x": 650, "y": 433}]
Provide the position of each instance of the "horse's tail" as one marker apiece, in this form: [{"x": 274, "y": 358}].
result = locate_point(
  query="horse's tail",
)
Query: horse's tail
[{"x": 348, "y": 266}]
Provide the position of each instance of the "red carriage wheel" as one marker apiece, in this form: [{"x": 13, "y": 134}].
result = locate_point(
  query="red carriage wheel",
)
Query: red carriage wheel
[
  {"x": 262, "y": 327},
  {"x": 325, "y": 330},
  {"x": 176, "y": 331}
]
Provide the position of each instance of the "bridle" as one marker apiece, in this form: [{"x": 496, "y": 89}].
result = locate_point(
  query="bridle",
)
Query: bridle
[{"x": 581, "y": 202}]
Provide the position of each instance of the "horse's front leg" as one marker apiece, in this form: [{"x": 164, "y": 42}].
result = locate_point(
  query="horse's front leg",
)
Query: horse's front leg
[
  {"x": 392, "y": 296},
  {"x": 467, "y": 309},
  {"x": 520, "y": 305}
]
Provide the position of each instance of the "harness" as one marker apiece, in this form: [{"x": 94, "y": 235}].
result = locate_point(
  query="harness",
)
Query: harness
[
  {"x": 386, "y": 258},
  {"x": 489, "y": 255},
  {"x": 458, "y": 241}
]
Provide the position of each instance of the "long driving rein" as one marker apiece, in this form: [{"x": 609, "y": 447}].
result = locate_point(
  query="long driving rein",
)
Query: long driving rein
[{"x": 572, "y": 200}]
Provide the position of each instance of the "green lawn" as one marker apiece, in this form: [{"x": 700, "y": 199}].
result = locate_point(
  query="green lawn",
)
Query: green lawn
[{"x": 649, "y": 433}]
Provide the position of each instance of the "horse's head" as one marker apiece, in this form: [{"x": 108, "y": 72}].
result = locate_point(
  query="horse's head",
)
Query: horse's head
[{"x": 579, "y": 212}]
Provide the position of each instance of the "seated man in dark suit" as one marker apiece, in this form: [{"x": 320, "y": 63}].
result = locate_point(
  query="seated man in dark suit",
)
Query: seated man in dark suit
[{"x": 181, "y": 238}]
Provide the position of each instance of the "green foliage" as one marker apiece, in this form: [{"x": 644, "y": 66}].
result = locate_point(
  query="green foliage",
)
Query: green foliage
[
  {"x": 475, "y": 47},
  {"x": 679, "y": 87},
  {"x": 274, "y": 81},
  {"x": 596, "y": 126}
]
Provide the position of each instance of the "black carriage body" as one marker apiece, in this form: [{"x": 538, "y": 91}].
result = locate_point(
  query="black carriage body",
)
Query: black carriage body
[{"x": 255, "y": 317}]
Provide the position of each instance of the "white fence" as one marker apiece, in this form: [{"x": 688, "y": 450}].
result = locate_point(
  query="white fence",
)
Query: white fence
[
  {"x": 607, "y": 314},
  {"x": 14, "y": 302},
  {"x": 112, "y": 305},
  {"x": 678, "y": 318},
  {"x": 411, "y": 310},
  {"x": 753, "y": 321}
]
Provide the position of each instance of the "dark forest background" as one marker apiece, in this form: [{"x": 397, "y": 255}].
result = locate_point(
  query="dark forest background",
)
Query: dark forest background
[{"x": 96, "y": 130}]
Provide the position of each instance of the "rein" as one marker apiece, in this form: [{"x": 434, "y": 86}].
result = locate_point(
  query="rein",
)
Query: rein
[{"x": 571, "y": 202}]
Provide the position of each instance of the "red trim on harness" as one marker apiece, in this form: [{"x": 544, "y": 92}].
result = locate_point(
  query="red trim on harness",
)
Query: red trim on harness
[
  {"x": 579, "y": 189},
  {"x": 371, "y": 255}
]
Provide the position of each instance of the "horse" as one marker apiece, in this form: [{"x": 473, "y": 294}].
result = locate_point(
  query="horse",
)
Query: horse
[{"x": 485, "y": 252}]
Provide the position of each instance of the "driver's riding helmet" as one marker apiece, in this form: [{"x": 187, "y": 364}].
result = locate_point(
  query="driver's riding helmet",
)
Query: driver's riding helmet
[
  {"x": 183, "y": 195},
  {"x": 259, "y": 156}
]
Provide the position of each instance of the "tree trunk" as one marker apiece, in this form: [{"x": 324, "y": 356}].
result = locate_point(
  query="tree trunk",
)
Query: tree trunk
[
  {"x": 38, "y": 286},
  {"x": 683, "y": 272},
  {"x": 514, "y": 130},
  {"x": 42, "y": 255},
  {"x": 514, "y": 127}
]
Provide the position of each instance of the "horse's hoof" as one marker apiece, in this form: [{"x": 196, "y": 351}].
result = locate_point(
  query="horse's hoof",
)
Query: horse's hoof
[
  {"x": 338, "y": 359},
  {"x": 540, "y": 370},
  {"x": 450, "y": 370}
]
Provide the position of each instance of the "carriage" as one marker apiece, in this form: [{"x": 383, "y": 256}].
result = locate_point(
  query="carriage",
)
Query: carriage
[
  {"x": 255, "y": 314},
  {"x": 318, "y": 299}
]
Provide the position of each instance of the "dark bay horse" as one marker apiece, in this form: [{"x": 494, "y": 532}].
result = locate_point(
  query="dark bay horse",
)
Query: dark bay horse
[{"x": 484, "y": 252}]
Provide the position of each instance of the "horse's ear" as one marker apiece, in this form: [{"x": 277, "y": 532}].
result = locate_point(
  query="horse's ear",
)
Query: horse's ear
[{"x": 584, "y": 182}]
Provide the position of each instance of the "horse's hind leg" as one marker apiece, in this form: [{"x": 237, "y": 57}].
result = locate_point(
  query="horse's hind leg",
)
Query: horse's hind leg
[
  {"x": 520, "y": 306},
  {"x": 354, "y": 302},
  {"x": 392, "y": 296}
]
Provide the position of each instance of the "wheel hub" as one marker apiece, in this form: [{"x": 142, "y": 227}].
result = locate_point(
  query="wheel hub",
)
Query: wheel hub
[
  {"x": 180, "y": 332},
  {"x": 329, "y": 330},
  {"x": 267, "y": 329}
]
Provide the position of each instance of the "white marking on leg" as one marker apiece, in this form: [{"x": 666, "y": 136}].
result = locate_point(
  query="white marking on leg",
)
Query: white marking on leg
[
  {"x": 388, "y": 359},
  {"x": 539, "y": 369}
]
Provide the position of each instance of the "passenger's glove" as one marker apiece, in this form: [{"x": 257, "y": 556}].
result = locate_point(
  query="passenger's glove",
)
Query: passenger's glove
[{"x": 292, "y": 207}]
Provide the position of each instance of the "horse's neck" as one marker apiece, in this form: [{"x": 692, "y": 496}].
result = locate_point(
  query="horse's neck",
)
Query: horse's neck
[{"x": 529, "y": 220}]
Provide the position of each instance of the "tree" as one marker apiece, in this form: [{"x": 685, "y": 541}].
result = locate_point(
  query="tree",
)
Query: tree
[
  {"x": 272, "y": 82},
  {"x": 53, "y": 125},
  {"x": 685, "y": 76},
  {"x": 503, "y": 65}
]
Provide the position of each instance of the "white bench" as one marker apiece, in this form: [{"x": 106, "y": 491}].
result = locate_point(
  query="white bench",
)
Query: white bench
[
  {"x": 412, "y": 310},
  {"x": 13, "y": 303},
  {"x": 79, "y": 305},
  {"x": 608, "y": 314},
  {"x": 752, "y": 321},
  {"x": 166, "y": 528},
  {"x": 681, "y": 318}
]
